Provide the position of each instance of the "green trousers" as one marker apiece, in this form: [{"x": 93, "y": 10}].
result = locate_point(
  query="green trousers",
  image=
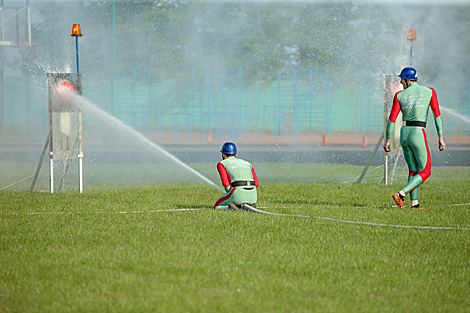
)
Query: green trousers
[
  {"x": 237, "y": 195},
  {"x": 417, "y": 156}
]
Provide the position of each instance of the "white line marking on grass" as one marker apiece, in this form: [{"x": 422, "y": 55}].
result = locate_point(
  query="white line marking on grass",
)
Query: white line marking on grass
[
  {"x": 362, "y": 223},
  {"x": 110, "y": 212},
  {"x": 260, "y": 211},
  {"x": 389, "y": 225},
  {"x": 394, "y": 206},
  {"x": 457, "y": 204}
]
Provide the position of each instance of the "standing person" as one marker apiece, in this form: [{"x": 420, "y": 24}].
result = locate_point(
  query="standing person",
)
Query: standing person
[
  {"x": 414, "y": 103},
  {"x": 238, "y": 178}
]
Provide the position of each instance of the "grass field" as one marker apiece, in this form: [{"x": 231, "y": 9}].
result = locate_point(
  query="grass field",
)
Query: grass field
[{"x": 131, "y": 250}]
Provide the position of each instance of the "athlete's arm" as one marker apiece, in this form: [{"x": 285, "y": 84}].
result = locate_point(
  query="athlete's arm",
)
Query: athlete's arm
[
  {"x": 434, "y": 103},
  {"x": 442, "y": 144},
  {"x": 392, "y": 118},
  {"x": 255, "y": 177},
  {"x": 387, "y": 145},
  {"x": 224, "y": 177},
  {"x": 391, "y": 122}
]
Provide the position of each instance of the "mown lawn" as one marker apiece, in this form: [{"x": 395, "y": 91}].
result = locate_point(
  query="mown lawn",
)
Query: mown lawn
[{"x": 133, "y": 250}]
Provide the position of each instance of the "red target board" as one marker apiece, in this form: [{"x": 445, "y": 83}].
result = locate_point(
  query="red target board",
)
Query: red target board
[
  {"x": 60, "y": 89},
  {"x": 63, "y": 88}
]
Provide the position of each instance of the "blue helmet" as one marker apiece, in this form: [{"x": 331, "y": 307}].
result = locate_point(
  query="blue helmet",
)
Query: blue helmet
[
  {"x": 409, "y": 73},
  {"x": 229, "y": 148}
]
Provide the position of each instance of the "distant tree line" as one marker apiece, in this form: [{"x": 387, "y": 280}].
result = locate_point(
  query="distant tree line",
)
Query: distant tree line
[{"x": 174, "y": 36}]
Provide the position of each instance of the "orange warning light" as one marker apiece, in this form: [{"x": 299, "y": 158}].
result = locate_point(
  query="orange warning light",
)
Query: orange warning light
[
  {"x": 63, "y": 88},
  {"x": 412, "y": 34},
  {"x": 76, "y": 31}
]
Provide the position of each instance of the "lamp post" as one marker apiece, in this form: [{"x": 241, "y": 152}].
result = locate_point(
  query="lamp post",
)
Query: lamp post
[
  {"x": 114, "y": 55},
  {"x": 411, "y": 37},
  {"x": 76, "y": 32}
]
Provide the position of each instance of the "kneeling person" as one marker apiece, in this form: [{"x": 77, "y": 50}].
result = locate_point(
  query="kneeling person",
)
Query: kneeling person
[{"x": 238, "y": 178}]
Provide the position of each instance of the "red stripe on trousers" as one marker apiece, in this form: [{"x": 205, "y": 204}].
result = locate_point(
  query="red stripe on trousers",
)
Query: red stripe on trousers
[
  {"x": 224, "y": 198},
  {"x": 427, "y": 169}
]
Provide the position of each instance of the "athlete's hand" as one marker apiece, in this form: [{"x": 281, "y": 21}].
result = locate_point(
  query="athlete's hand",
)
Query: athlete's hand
[
  {"x": 387, "y": 145},
  {"x": 442, "y": 144}
]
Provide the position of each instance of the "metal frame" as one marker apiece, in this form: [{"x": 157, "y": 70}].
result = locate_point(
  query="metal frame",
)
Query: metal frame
[
  {"x": 139, "y": 104},
  {"x": 3, "y": 20},
  {"x": 53, "y": 79},
  {"x": 4, "y": 43},
  {"x": 389, "y": 81},
  {"x": 305, "y": 92}
]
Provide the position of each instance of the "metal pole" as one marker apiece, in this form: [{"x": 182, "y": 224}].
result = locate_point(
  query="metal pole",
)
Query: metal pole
[
  {"x": 76, "y": 45},
  {"x": 3, "y": 31},
  {"x": 386, "y": 169},
  {"x": 51, "y": 133},
  {"x": 2, "y": 93},
  {"x": 113, "y": 54},
  {"x": 27, "y": 91},
  {"x": 40, "y": 164},
  {"x": 2, "y": 68},
  {"x": 17, "y": 27},
  {"x": 371, "y": 158},
  {"x": 27, "y": 75},
  {"x": 411, "y": 52},
  {"x": 80, "y": 154},
  {"x": 29, "y": 23},
  {"x": 51, "y": 152}
]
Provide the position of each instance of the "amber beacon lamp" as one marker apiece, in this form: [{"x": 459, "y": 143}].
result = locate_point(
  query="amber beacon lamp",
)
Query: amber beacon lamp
[{"x": 76, "y": 32}]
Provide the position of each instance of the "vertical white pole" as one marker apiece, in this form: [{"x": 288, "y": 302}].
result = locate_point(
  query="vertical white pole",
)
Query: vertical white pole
[
  {"x": 51, "y": 152},
  {"x": 386, "y": 169},
  {"x": 80, "y": 154}
]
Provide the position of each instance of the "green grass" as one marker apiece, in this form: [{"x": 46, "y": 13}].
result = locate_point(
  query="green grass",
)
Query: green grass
[
  {"x": 82, "y": 254},
  {"x": 112, "y": 176}
]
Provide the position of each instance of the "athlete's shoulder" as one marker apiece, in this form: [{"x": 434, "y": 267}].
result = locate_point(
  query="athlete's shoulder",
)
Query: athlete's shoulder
[
  {"x": 432, "y": 91},
  {"x": 243, "y": 163},
  {"x": 399, "y": 94},
  {"x": 230, "y": 160}
]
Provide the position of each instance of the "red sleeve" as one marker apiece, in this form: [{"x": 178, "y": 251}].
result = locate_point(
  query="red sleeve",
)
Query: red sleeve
[
  {"x": 226, "y": 181},
  {"x": 395, "y": 109},
  {"x": 255, "y": 177},
  {"x": 435, "y": 104}
]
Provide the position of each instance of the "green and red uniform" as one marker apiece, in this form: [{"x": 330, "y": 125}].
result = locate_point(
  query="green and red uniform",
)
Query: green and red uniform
[
  {"x": 239, "y": 180},
  {"x": 414, "y": 103}
]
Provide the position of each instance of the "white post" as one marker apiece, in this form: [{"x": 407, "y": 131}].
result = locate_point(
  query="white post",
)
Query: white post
[
  {"x": 51, "y": 151},
  {"x": 386, "y": 169},
  {"x": 80, "y": 154}
]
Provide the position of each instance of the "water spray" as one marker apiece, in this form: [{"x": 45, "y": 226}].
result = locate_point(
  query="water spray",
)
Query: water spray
[
  {"x": 455, "y": 114},
  {"x": 84, "y": 104}
]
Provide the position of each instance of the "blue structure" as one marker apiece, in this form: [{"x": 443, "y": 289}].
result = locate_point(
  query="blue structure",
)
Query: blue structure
[
  {"x": 464, "y": 96},
  {"x": 217, "y": 102},
  {"x": 133, "y": 96},
  {"x": 372, "y": 104},
  {"x": 304, "y": 102}
]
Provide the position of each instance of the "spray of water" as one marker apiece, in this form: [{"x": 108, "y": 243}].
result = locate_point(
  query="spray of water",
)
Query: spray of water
[
  {"x": 87, "y": 106},
  {"x": 453, "y": 113}
]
